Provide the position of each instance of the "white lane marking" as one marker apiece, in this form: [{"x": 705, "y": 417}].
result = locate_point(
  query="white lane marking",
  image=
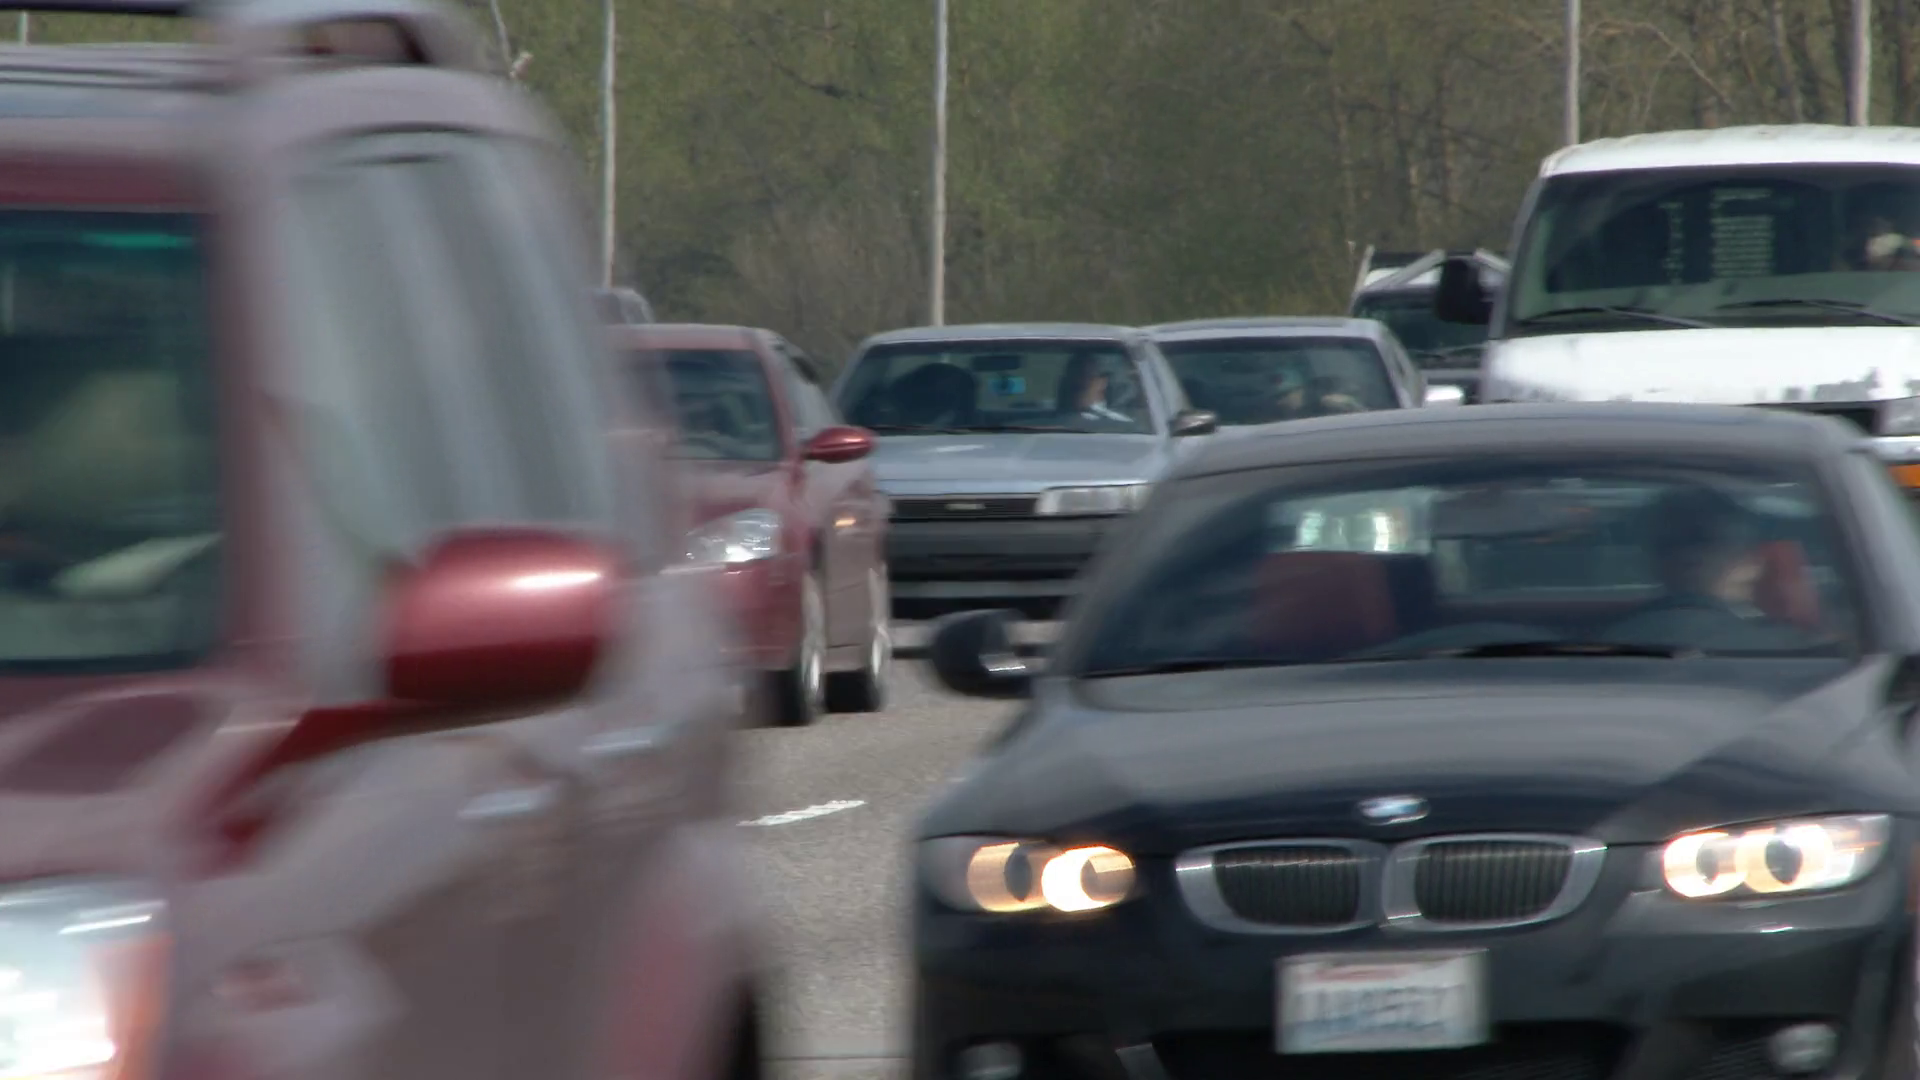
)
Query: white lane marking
[{"x": 808, "y": 813}]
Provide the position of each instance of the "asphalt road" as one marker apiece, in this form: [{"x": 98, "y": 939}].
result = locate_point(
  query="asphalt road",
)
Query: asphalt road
[{"x": 829, "y": 807}]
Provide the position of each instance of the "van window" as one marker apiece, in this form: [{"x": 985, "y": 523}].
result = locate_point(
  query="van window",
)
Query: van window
[
  {"x": 109, "y": 516},
  {"x": 1762, "y": 245}
]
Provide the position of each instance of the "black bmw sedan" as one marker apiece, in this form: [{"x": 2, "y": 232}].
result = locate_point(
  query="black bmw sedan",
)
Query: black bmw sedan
[{"x": 1514, "y": 742}]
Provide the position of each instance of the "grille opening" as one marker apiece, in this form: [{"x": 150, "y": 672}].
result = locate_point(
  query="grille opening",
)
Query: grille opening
[
  {"x": 964, "y": 507},
  {"x": 1475, "y": 881},
  {"x": 1543, "y": 1051},
  {"x": 1291, "y": 885}
]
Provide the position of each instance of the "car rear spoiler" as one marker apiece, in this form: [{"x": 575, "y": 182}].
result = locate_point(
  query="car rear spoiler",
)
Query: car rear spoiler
[{"x": 257, "y": 32}]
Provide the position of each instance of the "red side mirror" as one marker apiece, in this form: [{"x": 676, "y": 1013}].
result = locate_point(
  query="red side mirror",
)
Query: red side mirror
[
  {"x": 501, "y": 617},
  {"x": 835, "y": 445}
]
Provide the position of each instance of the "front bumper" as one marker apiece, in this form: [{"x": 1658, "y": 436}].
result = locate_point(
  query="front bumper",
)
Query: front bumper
[
  {"x": 1010, "y": 559},
  {"x": 1634, "y": 984}
]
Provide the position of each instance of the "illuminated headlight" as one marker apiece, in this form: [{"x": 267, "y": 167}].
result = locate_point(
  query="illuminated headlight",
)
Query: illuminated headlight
[
  {"x": 1900, "y": 417},
  {"x": 745, "y": 537},
  {"x": 1093, "y": 501},
  {"x": 1777, "y": 857},
  {"x": 82, "y": 981},
  {"x": 973, "y": 873}
]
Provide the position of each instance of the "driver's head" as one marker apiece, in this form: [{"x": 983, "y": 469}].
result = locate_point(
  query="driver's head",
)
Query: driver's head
[
  {"x": 1084, "y": 382},
  {"x": 1290, "y": 389},
  {"x": 1704, "y": 544}
]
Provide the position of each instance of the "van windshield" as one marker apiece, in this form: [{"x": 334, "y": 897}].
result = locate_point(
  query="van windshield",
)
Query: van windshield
[
  {"x": 1748, "y": 246},
  {"x": 108, "y": 490}
]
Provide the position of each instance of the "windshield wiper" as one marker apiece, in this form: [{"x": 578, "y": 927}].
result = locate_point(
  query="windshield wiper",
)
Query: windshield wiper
[
  {"x": 1849, "y": 306},
  {"x": 1182, "y": 664},
  {"x": 1640, "y": 313},
  {"x": 1502, "y": 649}
]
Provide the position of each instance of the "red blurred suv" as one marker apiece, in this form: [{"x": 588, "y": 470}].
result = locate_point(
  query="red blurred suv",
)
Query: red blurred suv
[
  {"x": 360, "y": 716},
  {"x": 788, "y": 509}
]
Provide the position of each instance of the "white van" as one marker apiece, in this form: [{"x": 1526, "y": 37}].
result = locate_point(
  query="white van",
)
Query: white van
[{"x": 1755, "y": 266}]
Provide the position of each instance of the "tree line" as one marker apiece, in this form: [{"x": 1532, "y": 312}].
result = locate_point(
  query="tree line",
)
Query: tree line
[{"x": 1119, "y": 160}]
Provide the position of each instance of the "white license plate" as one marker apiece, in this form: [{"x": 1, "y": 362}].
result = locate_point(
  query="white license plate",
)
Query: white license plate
[{"x": 1348, "y": 1003}]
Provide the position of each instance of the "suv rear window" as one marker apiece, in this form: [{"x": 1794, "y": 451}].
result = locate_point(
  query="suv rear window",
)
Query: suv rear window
[{"x": 109, "y": 513}]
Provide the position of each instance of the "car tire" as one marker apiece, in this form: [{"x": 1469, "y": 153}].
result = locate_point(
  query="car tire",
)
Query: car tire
[
  {"x": 864, "y": 690},
  {"x": 799, "y": 692}
]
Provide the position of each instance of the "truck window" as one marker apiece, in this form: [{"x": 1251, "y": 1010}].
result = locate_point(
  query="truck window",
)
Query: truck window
[{"x": 1748, "y": 246}]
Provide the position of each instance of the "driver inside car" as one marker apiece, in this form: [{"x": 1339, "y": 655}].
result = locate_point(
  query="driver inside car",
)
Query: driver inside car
[{"x": 1706, "y": 552}]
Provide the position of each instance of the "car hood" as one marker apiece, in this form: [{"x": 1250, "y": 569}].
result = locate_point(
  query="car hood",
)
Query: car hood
[
  {"x": 940, "y": 464},
  {"x": 97, "y": 775},
  {"x": 1720, "y": 365},
  {"x": 1169, "y": 762},
  {"x": 718, "y": 488}
]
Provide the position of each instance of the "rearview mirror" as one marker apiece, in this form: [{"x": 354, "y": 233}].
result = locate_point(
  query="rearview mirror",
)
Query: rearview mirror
[
  {"x": 973, "y": 654},
  {"x": 1442, "y": 394},
  {"x": 838, "y": 445},
  {"x": 500, "y": 617},
  {"x": 1460, "y": 296},
  {"x": 1194, "y": 422}
]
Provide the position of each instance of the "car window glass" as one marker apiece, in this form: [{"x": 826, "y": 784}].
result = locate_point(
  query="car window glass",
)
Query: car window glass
[
  {"x": 1092, "y": 387},
  {"x": 515, "y": 387},
  {"x": 812, "y": 411},
  {"x": 109, "y": 508},
  {"x": 550, "y": 274},
  {"x": 722, "y": 405},
  {"x": 359, "y": 315},
  {"x": 1261, "y": 380},
  {"x": 1411, "y": 318},
  {"x": 1735, "y": 560}
]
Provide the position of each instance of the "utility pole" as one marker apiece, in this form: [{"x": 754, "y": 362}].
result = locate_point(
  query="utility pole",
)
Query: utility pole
[
  {"x": 607, "y": 151},
  {"x": 1862, "y": 61},
  {"x": 937, "y": 285},
  {"x": 26, "y": 33},
  {"x": 1570, "y": 121}
]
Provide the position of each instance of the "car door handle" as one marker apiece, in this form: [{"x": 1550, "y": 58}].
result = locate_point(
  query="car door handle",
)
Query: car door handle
[
  {"x": 510, "y": 803},
  {"x": 625, "y": 743}
]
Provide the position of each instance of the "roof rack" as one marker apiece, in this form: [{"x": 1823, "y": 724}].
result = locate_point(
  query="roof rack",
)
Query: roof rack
[{"x": 254, "y": 33}]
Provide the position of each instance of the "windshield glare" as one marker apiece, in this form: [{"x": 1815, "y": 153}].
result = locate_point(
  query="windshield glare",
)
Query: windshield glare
[
  {"x": 1268, "y": 379},
  {"x": 722, "y": 406},
  {"x": 1412, "y": 320},
  {"x": 108, "y": 507},
  {"x": 1051, "y": 386},
  {"x": 1446, "y": 558},
  {"x": 1707, "y": 243}
]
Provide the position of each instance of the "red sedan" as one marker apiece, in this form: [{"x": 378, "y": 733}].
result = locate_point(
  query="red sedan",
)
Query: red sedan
[{"x": 787, "y": 505}]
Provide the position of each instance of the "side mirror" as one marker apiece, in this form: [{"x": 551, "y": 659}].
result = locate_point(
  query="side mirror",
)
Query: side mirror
[
  {"x": 838, "y": 445},
  {"x": 1194, "y": 422},
  {"x": 1460, "y": 297},
  {"x": 973, "y": 654},
  {"x": 500, "y": 617},
  {"x": 1444, "y": 394}
]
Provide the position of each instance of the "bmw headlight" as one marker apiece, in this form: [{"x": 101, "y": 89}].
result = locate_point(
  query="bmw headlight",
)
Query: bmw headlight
[
  {"x": 1106, "y": 499},
  {"x": 82, "y": 980},
  {"x": 1801, "y": 856},
  {"x": 1900, "y": 417},
  {"x": 993, "y": 874},
  {"x": 748, "y": 536}
]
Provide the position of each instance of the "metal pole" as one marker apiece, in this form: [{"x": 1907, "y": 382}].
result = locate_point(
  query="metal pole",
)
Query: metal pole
[
  {"x": 1862, "y": 58},
  {"x": 607, "y": 152},
  {"x": 1570, "y": 122},
  {"x": 937, "y": 286},
  {"x": 26, "y": 33}
]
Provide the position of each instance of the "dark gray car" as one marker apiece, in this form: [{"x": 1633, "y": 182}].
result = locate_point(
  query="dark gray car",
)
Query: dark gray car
[
  {"x": 1008, "y": 451},
  {"x": 1264, "y": 370}
]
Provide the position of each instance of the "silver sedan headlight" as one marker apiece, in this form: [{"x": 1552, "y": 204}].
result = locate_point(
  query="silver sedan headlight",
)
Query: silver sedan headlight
[
  {"x": 83, "y": 972},
  {"x": 1102, "y": 500},
  {"x": 748, "y": 536},
  {"x": 1001, "y": 875},
  {"x": 1771, "y": 858}
]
